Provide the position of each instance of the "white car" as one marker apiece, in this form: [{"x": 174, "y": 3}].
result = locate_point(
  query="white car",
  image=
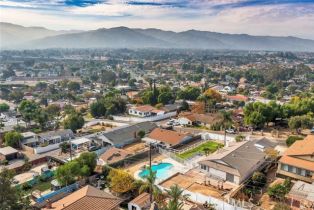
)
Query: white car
[{"x": 231, "y": 131}]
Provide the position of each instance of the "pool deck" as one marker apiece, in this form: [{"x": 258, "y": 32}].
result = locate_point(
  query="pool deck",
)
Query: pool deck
[{"x": 188, "y": 183}]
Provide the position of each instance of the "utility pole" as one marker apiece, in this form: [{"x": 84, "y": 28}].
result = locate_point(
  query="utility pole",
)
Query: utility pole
[{"x": 70, "y": 150}]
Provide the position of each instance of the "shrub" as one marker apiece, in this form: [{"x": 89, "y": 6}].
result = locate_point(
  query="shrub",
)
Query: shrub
[
  {"x": 239, "y": 138},
  {"x": 291, "y": 139},
  {"x": 259, "y": 179},
  {"x": 278, "y": 191}
]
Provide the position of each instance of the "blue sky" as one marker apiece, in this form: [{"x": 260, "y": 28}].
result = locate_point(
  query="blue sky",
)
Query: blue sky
[{"x": 257, "y": 17}]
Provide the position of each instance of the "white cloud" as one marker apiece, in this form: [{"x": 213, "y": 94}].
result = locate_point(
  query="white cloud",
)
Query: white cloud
[{"x": 283, "y": 19}]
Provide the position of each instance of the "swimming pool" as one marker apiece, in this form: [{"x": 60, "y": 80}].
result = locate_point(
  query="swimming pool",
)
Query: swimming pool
[{"x": 163, "y": 170}]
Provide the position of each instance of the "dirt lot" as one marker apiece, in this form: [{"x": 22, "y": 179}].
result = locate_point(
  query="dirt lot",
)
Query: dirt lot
[
  {"x": 136, "y": 147},
  {"x": 188, "y": 183}
]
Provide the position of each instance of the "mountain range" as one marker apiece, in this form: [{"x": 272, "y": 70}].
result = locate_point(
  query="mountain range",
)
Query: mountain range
[{"x": 19, "y": 37}]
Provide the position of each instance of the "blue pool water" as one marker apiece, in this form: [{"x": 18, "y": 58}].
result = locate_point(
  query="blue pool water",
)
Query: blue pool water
[{"x": 162, "y": 169}]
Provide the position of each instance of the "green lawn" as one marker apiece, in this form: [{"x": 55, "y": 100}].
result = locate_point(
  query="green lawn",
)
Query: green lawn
[
  {"x": 212, "y": 146},
  {"x": 42, "y": 186}
]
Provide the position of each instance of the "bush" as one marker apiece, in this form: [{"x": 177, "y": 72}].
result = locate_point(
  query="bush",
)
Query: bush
[
  {"x": 259, "y": 179},
  {"x": 291, "y": 139},
  {"x": 278, "y": 191},
  {"x": 239, "y": 138},
  {"x": 26, "y": 186}
]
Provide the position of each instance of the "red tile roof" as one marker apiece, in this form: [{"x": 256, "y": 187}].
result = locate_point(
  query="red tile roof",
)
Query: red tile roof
[
  {"x": 167, "y": 136},
  {"x": 293, "y": 156},
  {"x": 87, "y": 198}
]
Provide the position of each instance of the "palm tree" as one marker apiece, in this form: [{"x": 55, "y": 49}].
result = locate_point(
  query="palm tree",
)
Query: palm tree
[
  {"x": 149, "y": 185},
  {"x": 176, "y": 195},
  {"x": 226, "y": 120}
]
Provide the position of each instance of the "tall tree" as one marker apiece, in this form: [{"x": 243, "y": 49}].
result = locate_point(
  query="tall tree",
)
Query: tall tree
[
  {"x": 10, "y": 197},
  {"x": 176, "y": 197}
]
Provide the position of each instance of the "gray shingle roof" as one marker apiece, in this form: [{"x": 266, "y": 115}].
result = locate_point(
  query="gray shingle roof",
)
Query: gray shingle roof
[
  {"x": 241, "y": 159},
  {"x": 122, "y": 134}
]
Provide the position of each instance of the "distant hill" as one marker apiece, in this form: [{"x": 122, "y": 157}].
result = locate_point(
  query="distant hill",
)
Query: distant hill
[{"x": 14, "y": 36}]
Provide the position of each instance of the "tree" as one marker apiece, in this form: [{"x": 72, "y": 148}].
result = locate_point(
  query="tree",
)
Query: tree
[
  {"x": 4, "y": 107},
  {"x": 74, "y": 86},
  {"x": 64, "y": 146},
  {"x": 16, "y": 96},
  {"x": 259, "y": 179},
  {"x": 67, "y": 173},
  {"x": 278, "y": 191},
  {"x": 41, "y": 86},
  {"x": 176, "y": 197},
  {"x": 28, "y": 110},
  {"x": 184, "y": 106},
  {"x": 206, "y": 151},
  {"x": 98, "y": 109},
  {"x": 165, "y": 98},
  {"x": 10, "y": 197},
  {"x": 141, "y": 134},
  {"x": 74, "y": 121},
  {"x": 13, "y": 139},
  {"x": 189, "y": 93},
  {"x": 88, "y": 159},
  {"x": 291, "y": 139},
  {"x": 120, "y": 181},
  {"x": 300, "y": 122},
  {"x": 53, "y": 110},
  {"x": 149, "y": 184},
  {"x": 42, "y": 118}
]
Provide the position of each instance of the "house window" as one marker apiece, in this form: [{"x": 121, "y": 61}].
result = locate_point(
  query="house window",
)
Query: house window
[
  {"x": 299, "y": 171},
  {"x": 284, "y": 167},
  {"x": 134, "y": 207},
  {"x": 308, "y": 173},
  {"x": 203, "y": 167}
]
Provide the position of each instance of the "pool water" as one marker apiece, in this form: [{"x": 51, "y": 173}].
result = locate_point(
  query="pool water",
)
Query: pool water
[{"x": 163, "y": 170}]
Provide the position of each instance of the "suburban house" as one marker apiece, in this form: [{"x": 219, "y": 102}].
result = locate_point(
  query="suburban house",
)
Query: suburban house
[
  {"x": 298, "y": 161},
  {"x": 141, "y": 202},
  {"x": 145, "y": 111},
  {"x": 30, "y": 139},
  {"x": 237, "y": 98},
  {"x": 189, "y": 119},
  {"x": 264, "y": 143},
  {"x": 55, "y": 137},
  {"x": 168, "y": 138},
  {"x": 113, "y": 155},
  {"x": 44, "y": 142},
  {"x": 87, "y": 198},
  {"x": 124, "y": 135},
  {"x": 302, "y": 195},
  {"x": 234, "y": 163},
  {"x": 8, "y": 153}
]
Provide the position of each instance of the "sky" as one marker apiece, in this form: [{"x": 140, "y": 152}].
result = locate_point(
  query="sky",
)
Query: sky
[{"x": 255, "y": 17}]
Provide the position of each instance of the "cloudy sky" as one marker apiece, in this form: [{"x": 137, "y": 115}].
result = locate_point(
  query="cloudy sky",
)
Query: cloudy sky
[{"x": 256, "y": 17}]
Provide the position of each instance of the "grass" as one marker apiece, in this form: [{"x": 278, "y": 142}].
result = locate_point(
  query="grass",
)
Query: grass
[
  {"x": 42, "y": 186},
  {"x": 212, "y": 146}
]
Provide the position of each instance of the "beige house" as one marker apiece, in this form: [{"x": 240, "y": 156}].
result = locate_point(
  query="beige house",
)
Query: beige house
[
  {"x": 234, "y": 163},
  {"x": 298, "y": 161}
]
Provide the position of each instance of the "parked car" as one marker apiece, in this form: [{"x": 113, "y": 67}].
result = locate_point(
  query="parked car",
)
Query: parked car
[{"x": 231, "y": 131}]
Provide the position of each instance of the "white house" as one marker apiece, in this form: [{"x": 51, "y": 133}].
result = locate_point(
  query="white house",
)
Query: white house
[{"x": 145, "y": 111}]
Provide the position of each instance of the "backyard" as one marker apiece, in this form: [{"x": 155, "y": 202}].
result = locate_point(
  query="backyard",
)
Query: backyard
[{"x": 208, "y": 147}]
